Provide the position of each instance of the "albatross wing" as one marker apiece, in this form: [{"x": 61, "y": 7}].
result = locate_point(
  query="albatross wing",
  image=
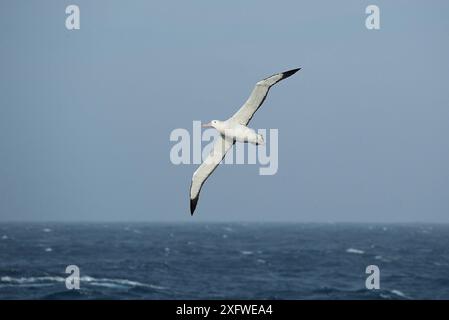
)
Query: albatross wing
[
  {"x": 258, "y": 95},
  {"x": 203, "y": 172}
]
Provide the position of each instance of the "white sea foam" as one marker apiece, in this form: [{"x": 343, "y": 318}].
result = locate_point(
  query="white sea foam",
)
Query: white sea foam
[
  {"x": 356, "y": 251},
  {"x": 22, "y": 280},
  {"x": 26, "y": 285},
  {"x": 104, "y": 282},
  {"x": 108, "y": 285},
  {"x": 46, "y": 230},
  {"x": 426, "y": 230},
  {"x": 153, "y": 286},
  {"x": 118, "y": 282},
  {"x": 381, "y": 259},
  {"x": 399, "y": 293},
  {"x": 48, "y": 249},
  {"x": 246, "y": 252},
  {"x": 4, "y": 237}
]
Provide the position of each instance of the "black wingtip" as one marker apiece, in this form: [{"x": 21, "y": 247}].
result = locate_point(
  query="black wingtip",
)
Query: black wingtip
[
  {"x": 193, "y": 203},
  {"x": 289, "y": 73}
]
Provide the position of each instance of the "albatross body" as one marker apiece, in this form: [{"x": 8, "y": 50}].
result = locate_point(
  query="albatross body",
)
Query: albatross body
[
  {"x": 236, "y": 131},
  {"x": 232, "y": 130}
]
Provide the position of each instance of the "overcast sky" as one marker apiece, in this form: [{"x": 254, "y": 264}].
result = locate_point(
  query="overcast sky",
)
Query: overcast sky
[{"x": 86, "y": 115}]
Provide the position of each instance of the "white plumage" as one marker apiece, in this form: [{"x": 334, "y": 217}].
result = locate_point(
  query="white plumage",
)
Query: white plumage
[{"x": 231, "y": 130}]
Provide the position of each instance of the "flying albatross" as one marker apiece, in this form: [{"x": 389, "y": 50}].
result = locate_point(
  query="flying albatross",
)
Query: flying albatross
[{"x": 231, "y": 130}]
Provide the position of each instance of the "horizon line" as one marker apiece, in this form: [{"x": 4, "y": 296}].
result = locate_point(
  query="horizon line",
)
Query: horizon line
[{"x": 218, "y": 221}]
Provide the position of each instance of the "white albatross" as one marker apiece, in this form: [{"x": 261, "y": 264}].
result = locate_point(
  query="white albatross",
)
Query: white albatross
[{"x": 231, "y": 130}]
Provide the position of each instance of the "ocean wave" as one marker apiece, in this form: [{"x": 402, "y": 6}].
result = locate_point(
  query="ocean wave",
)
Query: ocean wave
[
  {"x": 27, "y": 285},
  {"x": 399, "y": 293},
  {"x": 118, "y": 282},
  {"x": 382, "y": 259},
  {"x": 104, "y": 282},
  {"x": 356, "y": 251},
  {"x": 23, "y": 280}
]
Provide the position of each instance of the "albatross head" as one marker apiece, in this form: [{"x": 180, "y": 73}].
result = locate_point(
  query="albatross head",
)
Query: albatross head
[{"x": 213, "y": 124}]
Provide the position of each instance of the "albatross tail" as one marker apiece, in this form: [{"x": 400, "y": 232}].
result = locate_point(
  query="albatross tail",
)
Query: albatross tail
[{"x": 260, "y": 140}]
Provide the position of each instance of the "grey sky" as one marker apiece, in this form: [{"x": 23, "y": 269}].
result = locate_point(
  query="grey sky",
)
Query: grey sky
[{"x": 85, "y": 116}]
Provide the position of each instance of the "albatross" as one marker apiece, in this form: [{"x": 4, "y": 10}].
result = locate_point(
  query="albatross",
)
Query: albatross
[{"x": 232, "y": 130}]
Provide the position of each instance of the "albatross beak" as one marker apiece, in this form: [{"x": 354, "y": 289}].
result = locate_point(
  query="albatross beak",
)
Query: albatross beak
[{"x": 207, "y": 125}]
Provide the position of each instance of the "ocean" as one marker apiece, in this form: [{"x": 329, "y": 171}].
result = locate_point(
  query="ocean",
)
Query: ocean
[{"x": 223, "y": 260}]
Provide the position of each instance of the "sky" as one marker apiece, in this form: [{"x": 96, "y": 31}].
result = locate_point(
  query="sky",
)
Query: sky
[{"x": 86, "y": 115}]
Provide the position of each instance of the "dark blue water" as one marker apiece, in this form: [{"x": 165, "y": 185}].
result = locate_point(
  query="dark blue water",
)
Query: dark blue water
[{"x": 216, "y": 261}]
